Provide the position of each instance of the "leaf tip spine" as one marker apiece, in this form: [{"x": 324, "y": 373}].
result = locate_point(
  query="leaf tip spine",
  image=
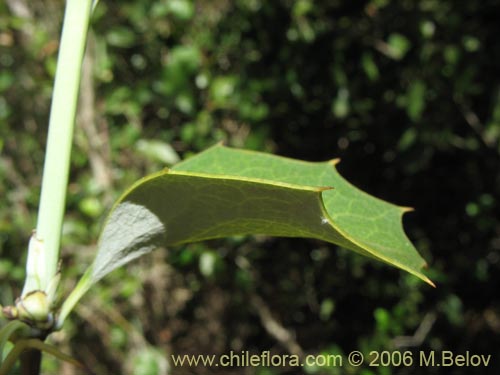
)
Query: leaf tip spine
[
  {"x": 221, "y": 143},
  {"x": 405, "y": 209},
  {"x": 425, "y": 278},
  {"x": 334, "y": 162},
  {"x": 429, "y": 281}
]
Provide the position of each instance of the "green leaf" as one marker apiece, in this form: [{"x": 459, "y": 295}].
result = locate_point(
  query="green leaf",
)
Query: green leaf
[
  {"x": 329, "y": 208},
  {"x": 182, "y": 9},
  {"x": 157, "y": 150},
  {"x": 340, "y": 105},
  {"x": 225, "y": 192},
  {"x": 25, "y": 344},
  {"x": 416, "y": 100},
  {"x": 6, "y": 332},
  {"x": 222, "y": 91},
  {"x": 370, "y": 67},
  {"x": 398, "y": 46},
  {"x": 121, "y": 37}
]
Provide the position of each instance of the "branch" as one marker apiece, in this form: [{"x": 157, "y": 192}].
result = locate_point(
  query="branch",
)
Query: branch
[
  {"x": 420, "y": 334},
  {"x": 96, "y": 143},
  {"x": 283, "y": 335},
  {"x": 472, "y": 119}
]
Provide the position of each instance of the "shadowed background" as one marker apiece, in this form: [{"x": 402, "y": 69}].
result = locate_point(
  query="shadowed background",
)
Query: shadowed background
[{"x": 406, "y": 93}]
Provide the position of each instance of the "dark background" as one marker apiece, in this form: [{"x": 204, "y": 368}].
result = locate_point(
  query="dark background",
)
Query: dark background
[{"x": 406, "y": 93}]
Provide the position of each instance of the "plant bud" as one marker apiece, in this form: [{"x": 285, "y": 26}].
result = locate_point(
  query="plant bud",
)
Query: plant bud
[
  {"x": 10, "y": 312},
  {"x": 34, "y": 306}
]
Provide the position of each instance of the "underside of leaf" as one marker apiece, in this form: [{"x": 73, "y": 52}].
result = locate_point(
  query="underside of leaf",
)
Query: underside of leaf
[
  {"x": 225, "y": 192},
  {"x": 366, "y": 224}
]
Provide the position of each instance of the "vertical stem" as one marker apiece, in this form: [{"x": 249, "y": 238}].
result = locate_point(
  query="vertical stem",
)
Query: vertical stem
[
  {"x": 31, "y": 360},
  {"x": 42, "y": 264}
]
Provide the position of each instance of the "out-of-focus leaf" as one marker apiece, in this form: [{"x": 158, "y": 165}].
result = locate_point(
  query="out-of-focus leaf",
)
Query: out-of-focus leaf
[
  {"x": 471, "y": 43},
  {"x": 340, "y": 105},
  {"x": 121, "y": 37},
  {"x": 369, "y": 66},
  {"x": 398, "y": 46},
  {"x": 222, "y": 90},
  {"x": 158, "y": 151},
  {"x": 415, "y": 99},
  {"x": 427, "y": 29},
  {"x": 181, "y": 9},
  {"x": 6, "y": 80},
  {"x": 407, "y": 139},
  {"x": 149, "y": 361}
]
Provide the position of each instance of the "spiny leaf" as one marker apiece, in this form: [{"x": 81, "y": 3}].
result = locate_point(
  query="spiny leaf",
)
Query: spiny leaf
[
  {"x": 224, "y": 192},
  {"x": 366, "y": 224}
]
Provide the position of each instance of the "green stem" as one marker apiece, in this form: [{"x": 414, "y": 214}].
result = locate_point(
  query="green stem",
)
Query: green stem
[
  {"x": 29, "y": 352},
  {"x": 76, "y": 294},
  {"x": 42, "y": 260}
]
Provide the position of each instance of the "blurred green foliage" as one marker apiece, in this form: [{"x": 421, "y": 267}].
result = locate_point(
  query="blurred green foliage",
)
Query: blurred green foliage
[{"x": 406, "y": 92}]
